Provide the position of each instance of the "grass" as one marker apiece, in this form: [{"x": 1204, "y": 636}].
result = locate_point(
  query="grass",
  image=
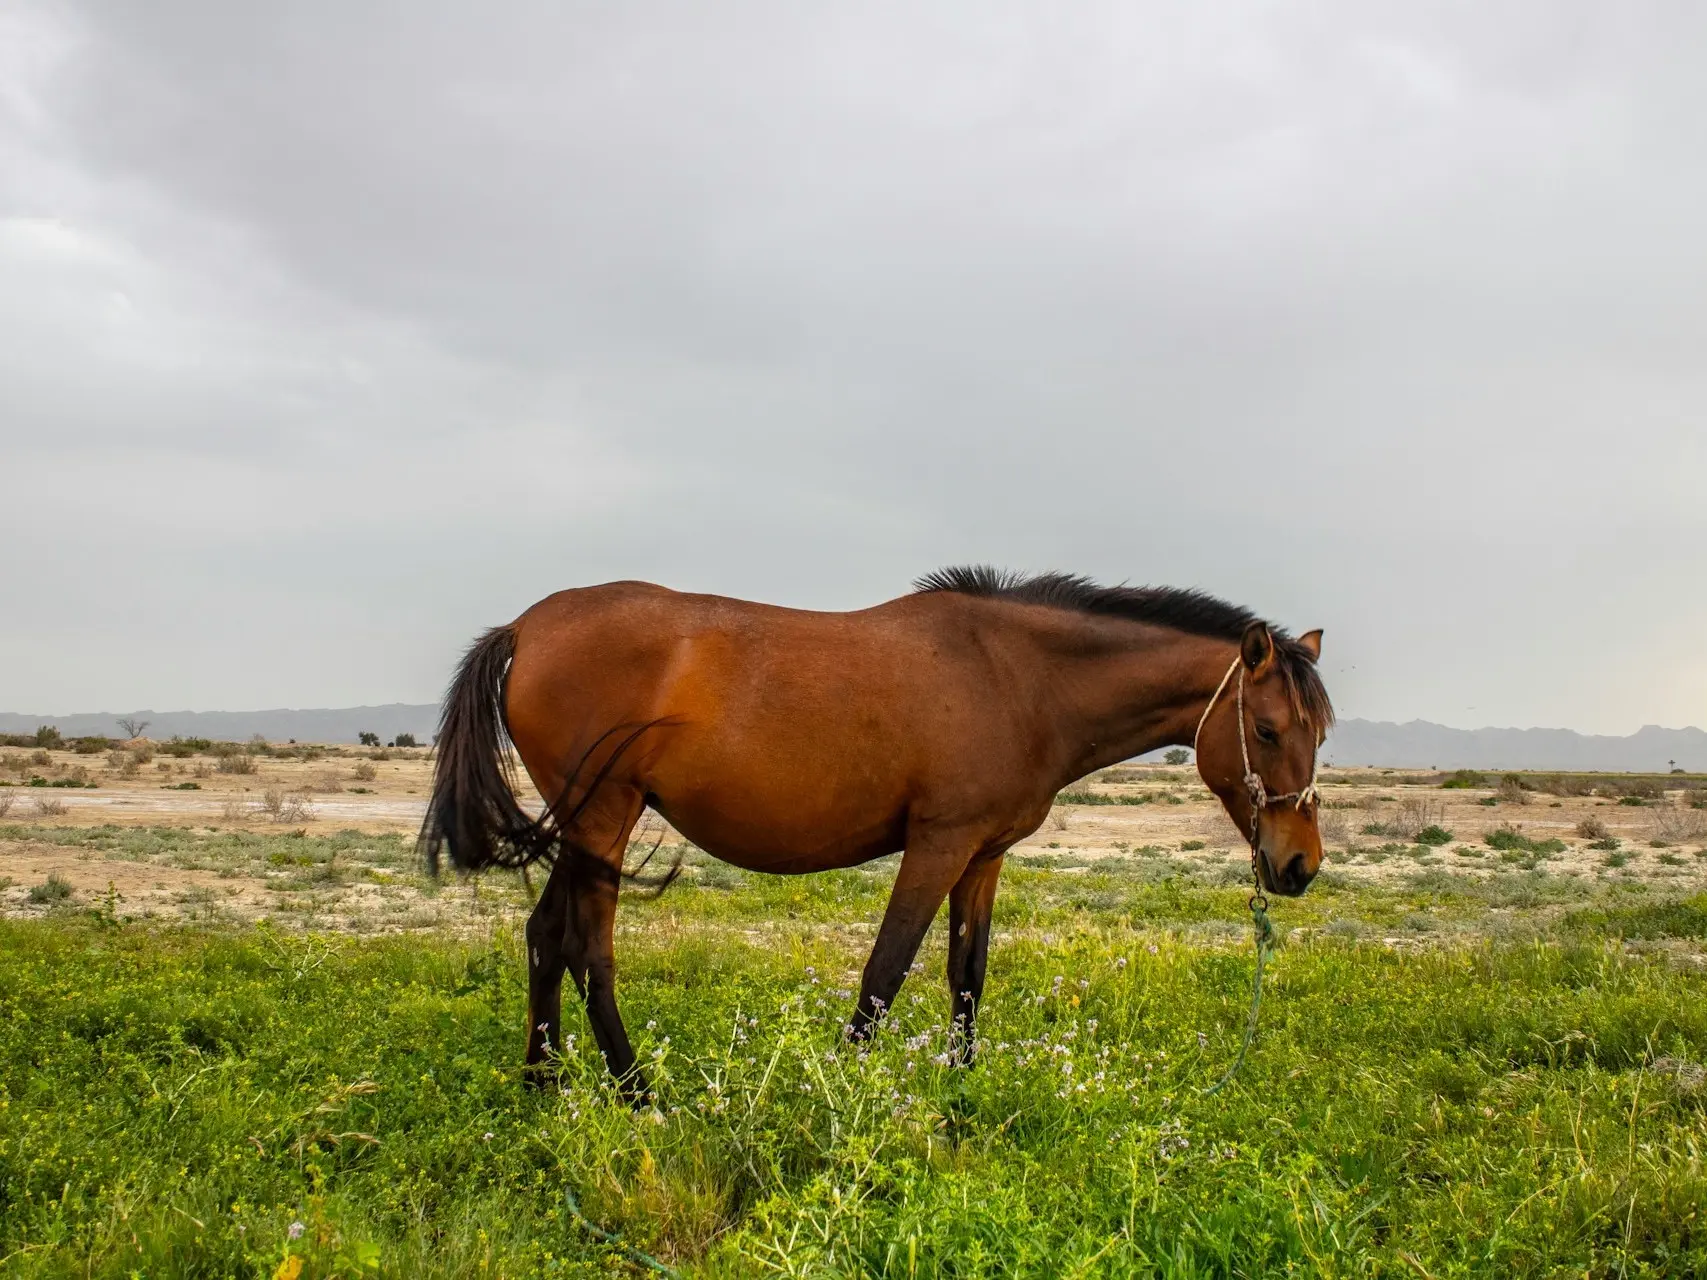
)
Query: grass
[{"x": 173, "y": 1100}]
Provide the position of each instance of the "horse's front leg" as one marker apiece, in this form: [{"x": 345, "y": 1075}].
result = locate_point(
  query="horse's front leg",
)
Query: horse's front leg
[
  {"x": 931, "y": 865},
  {"x": 969, "y": 904}
]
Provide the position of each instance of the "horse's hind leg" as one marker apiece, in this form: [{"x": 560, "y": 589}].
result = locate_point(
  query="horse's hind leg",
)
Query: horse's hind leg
[
  {"x": 592, "y": 962},
  {"x": 969, "y": 904},
  {"x": 547, "y": 944}
]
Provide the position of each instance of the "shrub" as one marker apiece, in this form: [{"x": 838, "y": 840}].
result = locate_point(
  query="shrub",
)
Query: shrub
[
  {"x": 1634, "y": 802},
  {"x": 365, "y": 772},
  {"x": 185, "y": 747},
  {"x": 1592, "y": 829},
  {"x": 1463, "y": 780},
  {"x": 182, "y": 786},
  {"x": 91, "y": 746},
  {"x": 1605, "y": 843},
  {"x": 7, "y": 799},
  {"x": 282, "y": 807},
  {"x": 367, "y": 739},
  {"x": 1176, "y": 755},
  {"x": 40, "y": 759},
  {"x": 48, "y": 737},
  {"x": 1675, "y": 825},
  {"x": 237, "y": 764},
  {"x": 404, "y": 740},
  {"x": 54, "y": 889},
  {"x": 1190, "y": 846},
  {"x": 1511, "y": 839},
  {"x": 1512, "y": 790},
  {"x": 50, "y": 806},
  {"x": 1434, "y": 836}
]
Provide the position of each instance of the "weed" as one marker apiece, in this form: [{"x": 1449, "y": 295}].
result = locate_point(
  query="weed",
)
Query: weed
[
  {"x": 1592, "y": 828},
  {"x": 1433, "y": 835},
  {"x": 1464, "y": 780},
  {"x": 1634, "y": 802},
  {"x": 54, "y": 889},
  {"x": 365, "y": 772},
  {"x": 237, "y": 762},
  {"x": 1190, "y": 846},
  {"x": 50, "y": 806}
]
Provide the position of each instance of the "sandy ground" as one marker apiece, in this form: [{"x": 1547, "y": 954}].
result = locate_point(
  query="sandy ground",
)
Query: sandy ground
[{"x": 383, "y": 794}]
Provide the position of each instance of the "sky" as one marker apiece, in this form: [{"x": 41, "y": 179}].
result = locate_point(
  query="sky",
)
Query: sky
[{"x": 332, "y": 333}]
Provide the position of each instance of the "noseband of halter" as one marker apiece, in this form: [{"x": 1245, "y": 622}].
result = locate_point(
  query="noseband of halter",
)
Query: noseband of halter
[{"x": 1260, "y": 798}]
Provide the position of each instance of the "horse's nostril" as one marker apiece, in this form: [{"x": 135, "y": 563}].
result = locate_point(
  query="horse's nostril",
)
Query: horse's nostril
[{"x": 1296, "y": 876}]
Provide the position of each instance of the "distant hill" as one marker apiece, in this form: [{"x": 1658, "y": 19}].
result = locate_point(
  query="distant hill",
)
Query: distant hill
[
  {"x": 1417, "y": 744},
  {"x": 341, "y": 724}
]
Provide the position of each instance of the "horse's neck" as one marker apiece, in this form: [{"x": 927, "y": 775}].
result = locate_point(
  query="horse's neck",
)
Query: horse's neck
[{"x": 1113, "y": 700}]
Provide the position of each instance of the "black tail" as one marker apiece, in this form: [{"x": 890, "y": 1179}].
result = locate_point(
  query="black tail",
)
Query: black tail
[{"x": 473, "y": 808}]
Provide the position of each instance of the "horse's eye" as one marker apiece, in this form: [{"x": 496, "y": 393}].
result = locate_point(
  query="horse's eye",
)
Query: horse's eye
[{"x": 1268, "y": 735}]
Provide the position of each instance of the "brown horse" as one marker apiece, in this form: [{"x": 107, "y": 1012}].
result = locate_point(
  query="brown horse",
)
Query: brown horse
[{"x": 941, "y": 724}]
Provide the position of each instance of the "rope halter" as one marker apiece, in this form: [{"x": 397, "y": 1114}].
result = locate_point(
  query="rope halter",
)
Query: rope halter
[{"x": 1260, "y": 798}]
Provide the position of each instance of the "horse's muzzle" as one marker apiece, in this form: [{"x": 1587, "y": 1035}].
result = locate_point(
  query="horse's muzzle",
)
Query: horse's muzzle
[{"x": 1290, "y": 880}]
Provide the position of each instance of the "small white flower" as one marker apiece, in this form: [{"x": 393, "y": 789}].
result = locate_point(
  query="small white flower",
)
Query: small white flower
[
  {"x": 294, "y": 1231},
  {"x": 487, "y": 1136}
]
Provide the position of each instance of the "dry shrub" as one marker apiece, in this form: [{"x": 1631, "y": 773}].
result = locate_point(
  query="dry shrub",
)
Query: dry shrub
[
  {"x": 237, "y": 763},
  {"x": 1512, "y": 790},
  {"x": 40, "y": 759},
  {"x": 201, "y": 770},
  {"x": 1058, "y": 815},
  {"x": 1672, "y": 825},
  {"x": 1414, "y": 814},
  {"x": 50, "y": 806},
  {"x": 329, "y": 780},
  {"x": 234, "y": 810},
  {"x": 7, "y": 800},
  {"x": 280, "y": 806},
  {"x": 1592, "y": 829},
  {"x": 365, "y": 772},
  {"x": 1335, "y": 828}
]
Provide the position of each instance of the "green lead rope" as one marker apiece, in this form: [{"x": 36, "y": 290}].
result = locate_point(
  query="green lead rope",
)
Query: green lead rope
[
  {"x": 636, "y": 1256},
  {"x": 1264, "y": 930}
]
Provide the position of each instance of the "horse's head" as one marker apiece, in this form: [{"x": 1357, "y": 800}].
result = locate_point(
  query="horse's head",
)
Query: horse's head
[{"x": 1256, "y": 750}]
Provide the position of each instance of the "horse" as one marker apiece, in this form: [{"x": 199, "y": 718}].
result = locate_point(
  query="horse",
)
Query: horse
[{"x": 940, "y": 724}]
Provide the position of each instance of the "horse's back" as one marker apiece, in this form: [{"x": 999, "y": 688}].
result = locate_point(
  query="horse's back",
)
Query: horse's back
[{"x": 781, "y": 734}]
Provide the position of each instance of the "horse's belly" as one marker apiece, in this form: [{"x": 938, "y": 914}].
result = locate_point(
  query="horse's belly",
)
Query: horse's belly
[{"x": 819, "y": 839}]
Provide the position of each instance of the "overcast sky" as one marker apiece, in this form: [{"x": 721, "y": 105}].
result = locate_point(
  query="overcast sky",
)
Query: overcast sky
[{"x": 331, "y": 333}]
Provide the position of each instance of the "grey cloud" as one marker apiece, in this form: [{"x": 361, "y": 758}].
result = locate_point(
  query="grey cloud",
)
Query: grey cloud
[{"x": 1381, "y": 317}]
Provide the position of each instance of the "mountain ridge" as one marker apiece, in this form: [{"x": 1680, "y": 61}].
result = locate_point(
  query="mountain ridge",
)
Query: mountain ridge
[{"x": 1418, "y": 744}]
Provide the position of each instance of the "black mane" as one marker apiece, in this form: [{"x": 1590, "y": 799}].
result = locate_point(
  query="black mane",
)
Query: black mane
[{"x": 1182, "y": 608}]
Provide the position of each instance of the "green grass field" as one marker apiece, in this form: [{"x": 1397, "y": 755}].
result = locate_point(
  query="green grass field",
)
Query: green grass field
[{"x": 1452, "y": 1078}]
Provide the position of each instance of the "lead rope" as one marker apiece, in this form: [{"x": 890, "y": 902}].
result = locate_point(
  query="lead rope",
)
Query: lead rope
[
  {"x": 638, "y": 1257},
  {"x": 1261, "y": 926}
]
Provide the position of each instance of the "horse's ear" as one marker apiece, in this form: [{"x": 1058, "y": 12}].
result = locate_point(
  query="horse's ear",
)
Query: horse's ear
[
  {"x": 1311, "y": 643},
  {"x": 1257, "y": 647}
]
